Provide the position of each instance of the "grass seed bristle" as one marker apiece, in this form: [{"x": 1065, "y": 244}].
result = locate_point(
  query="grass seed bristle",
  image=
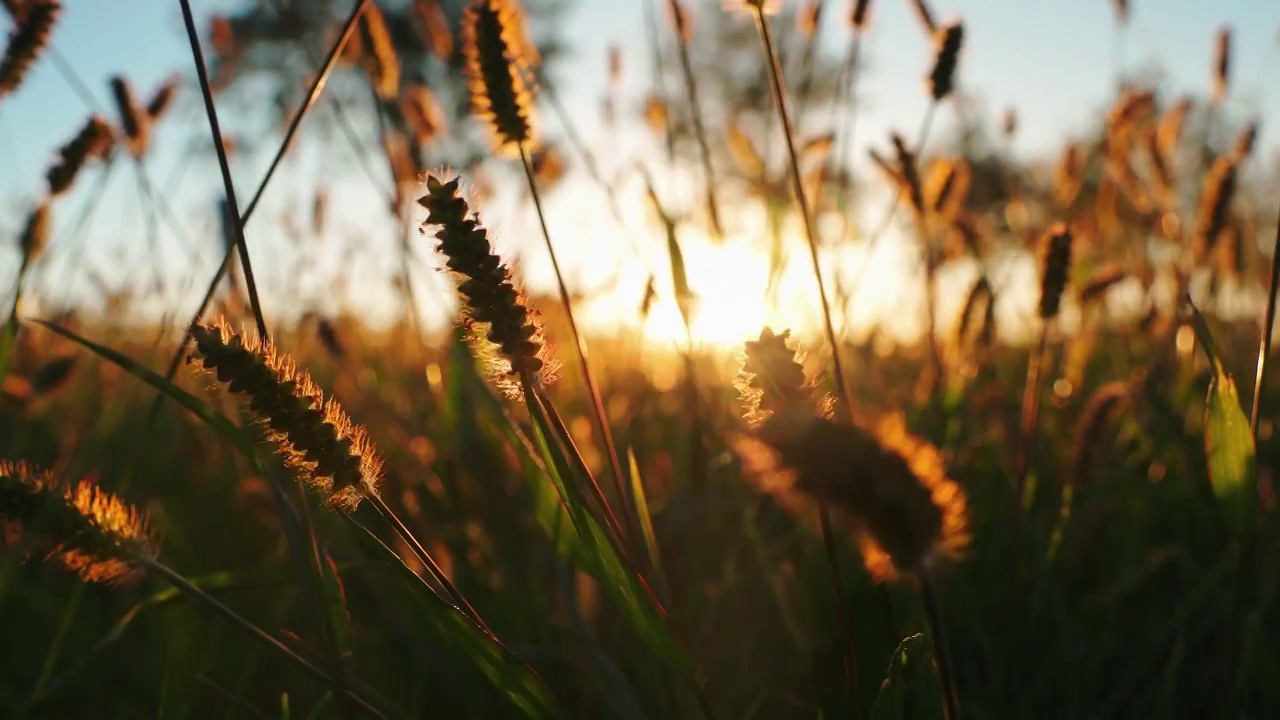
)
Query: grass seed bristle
[
  {"x": 498, "y": 62},
  {"x": 314, "y": 436}
]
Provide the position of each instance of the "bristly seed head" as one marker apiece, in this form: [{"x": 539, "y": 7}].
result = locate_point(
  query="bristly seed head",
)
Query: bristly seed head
[
  {"x": 381, "y": 62},
  {"x": 26, "y": 42},
  {"x": 35, "y": 234},
  {"x": 1215, "y": 206},
  {"x": 1054, "y": 266},
  {"x": 858, "y": 16},
  {"x": 947, "y": 56},
  {"x": 772, "y": 380},
  {"x": 133, "y": 119},
  {"x": 314, "y": 435},
  {"x": 88, "y": 531},
  {"x": 890, "y": 486},
  {"x": 91, "y": 141},
  {"x": 162, "y": 100},
  {"x": 498, "y": 58},
  {"x": 487, "y": 291}
]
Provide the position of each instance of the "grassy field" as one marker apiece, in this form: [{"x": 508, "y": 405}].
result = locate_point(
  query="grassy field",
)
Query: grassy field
[{"x": 1072, "y": 517}]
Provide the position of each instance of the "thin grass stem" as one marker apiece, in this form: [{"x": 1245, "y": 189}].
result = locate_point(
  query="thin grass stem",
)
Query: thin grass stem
[
  {"x": 946, "y": 676},
  {"x": 699, "y": 131},
  {"x": 215, "y": 130},
  {"x": 1268, "y": 327},
  {"x": 598, "y": 412},
  {"x": 195, "y": 593}
]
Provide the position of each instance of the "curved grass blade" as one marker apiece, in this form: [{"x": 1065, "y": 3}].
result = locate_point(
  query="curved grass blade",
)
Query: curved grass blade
[
  {"x": 910, "y": 687},
  {"x": 235, "y": 435},
  {"x": 646, "y": 521},
  {"x": 516, "y": 682},
  {"x": 1228, "y": 442}
]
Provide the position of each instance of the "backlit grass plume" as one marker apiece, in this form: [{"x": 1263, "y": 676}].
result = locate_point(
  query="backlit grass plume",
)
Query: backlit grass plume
[
  {"x": 26, "y": 42},
  {"x": 91, "y": 141},
  {"x": 90, "y": 532},
  {"x": 1055, "y": 264},
  {"x": 314, "y": 435},
  {"x": 381, "y": 62},
  {"x": 942, "y": 78},
  {"x": 1215, "y": 206},
  {"x": 772, "y": 380},
  {"x": 890, "y": 487},
  {"x": 487, "y": 291},
  {"x": 498, "y": 61}
]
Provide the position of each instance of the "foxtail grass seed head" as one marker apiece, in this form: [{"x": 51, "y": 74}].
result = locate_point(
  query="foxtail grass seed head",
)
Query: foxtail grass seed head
[
  {"x": 888, "y": 485},
  {"x": 859, "y": 16},
  {"x": 314, "y": 435},
  {"x": 809, "y": 19},
  {"x": 1215, "y": 206},
  {"x": 381, "y": 63},
  {"x": 422, "y": 114},
  {"x": 52, "y": 375},
  {"x": 977, "y": 317},
  {"x": 35, "y": 233},
  {"x": 26, "y": 42},
  {"x": 909, "y": 173},
  {"x": 1055, "y": 265},
  {"x": 432, "y": 26},
  {"x": 497, "y": 49},
  {"x": 1245, "y": 141},
  {"x": 490, "y": 298},
  {"x": 1221, "y": 63},
  {"x": 924, "y": 16},
  {"x": 90, "y": 142},
  {"x": 162, "y": 100},
  {"x": 135, "y": 123},
  {"x": 947, "y": 186},
  {"x": 772, "y": 380},
  {"x": 90, "y": 532},
  {"x": 1090, "y": 430},
  {"x": 942, "y": 78}
]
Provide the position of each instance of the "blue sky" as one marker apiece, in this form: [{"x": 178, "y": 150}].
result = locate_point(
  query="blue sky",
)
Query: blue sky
[{"x": 1052, "y": 60}]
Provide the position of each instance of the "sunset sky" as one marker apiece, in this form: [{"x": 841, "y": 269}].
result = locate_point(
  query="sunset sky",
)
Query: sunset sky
[{"x": 1051, "y": 60}]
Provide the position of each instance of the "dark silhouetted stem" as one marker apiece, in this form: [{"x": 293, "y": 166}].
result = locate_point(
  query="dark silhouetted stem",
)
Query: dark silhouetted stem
[
  {"x": 215, "y": 130},
  {"x": 1268, "y": 326},
  {"x": 946, "y": 677}
]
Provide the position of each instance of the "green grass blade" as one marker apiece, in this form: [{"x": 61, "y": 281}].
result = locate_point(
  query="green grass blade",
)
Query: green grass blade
[
  {"x": 646, "y": 520},
  {"x": 604, "y": 561},
  {"x": 509, "y": 676},
  {"x": 235, "y": 435},
  {"x": 1228, "y": 443},
  {"x": 911, "y": 681}
]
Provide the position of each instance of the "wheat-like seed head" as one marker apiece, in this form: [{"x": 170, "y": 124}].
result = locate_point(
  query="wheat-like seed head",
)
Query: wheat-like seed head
[
  {"x": 858, "y": 16},
  {"x": 947, "y": 186},
  {"x": 432, "y": 26},
  {"x": 314, "y": 436},
  {"x": 91, "y": 141},
  {"x": 1215, "y": 206},
  {"x": 422, "y": 114},
  {"x": 1221, "y": 63},
  {"x": 909, "y": 173},
  {"x": 90, "y": 532},
  {"x": 493, "y": 303},
  {"x": 26, "y": 42},
  {"x": 381, "y": 62},
  {"x": 499, "y": 59},
  {"x": 771, "y": 380},
  {"x": 1101, "y": 406},
  {"x": 942, "y": 78},
  {"x": 890, "y": 487},
  {"x": 1055, "y": 264},
  {"x": 35, "y": 234},
  {"x": 134, "y": 121},
  {"x": 162, "y": 99}
]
